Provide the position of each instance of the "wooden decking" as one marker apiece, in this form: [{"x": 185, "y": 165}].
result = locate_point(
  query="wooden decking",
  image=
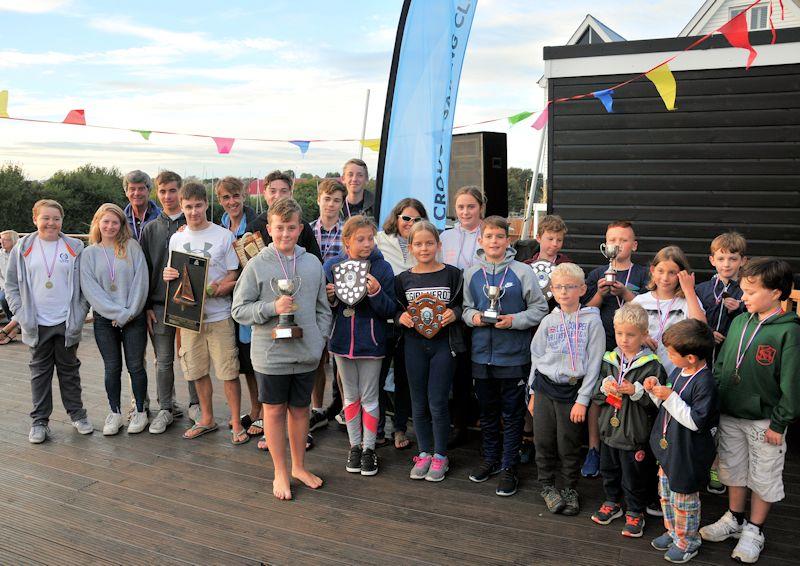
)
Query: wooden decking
[{"x": 151, "y": 499}]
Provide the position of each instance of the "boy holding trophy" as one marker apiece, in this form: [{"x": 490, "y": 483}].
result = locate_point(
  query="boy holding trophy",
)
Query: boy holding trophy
[{"x": 281, "y": 294}]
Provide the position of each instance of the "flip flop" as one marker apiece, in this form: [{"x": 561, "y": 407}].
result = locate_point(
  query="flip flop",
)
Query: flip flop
[
  {"x": 309, "y": 442},
  {"x": 246, "y": 421},
  {"x": 256, "y": 424},
  {"x": 262, "y": 444},
  {"x": 381, "y": 442},
  {"x": 238, "y": 438},
  {"x": 7, "y": 337},
  {"x": 199, "y": 431}
]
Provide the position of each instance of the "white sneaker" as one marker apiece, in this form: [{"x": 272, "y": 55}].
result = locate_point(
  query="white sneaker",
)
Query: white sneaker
[
  {"x": 83, "y": 426},
  {"x": 159, "y": 424},
  {"x": 750, "y": 545},
  {"x": 138, "y": 422},
  {"x": 113, "y": 424},
  {"x": 725, "y": 528}
]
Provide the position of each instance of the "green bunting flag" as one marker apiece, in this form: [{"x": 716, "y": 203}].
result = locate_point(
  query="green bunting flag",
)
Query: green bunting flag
[
  {"x": 519, "y": 117},
  {"x": 145, "y": 133}
]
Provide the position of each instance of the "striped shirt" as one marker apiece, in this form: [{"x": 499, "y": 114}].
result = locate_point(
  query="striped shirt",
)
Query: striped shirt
[{"x": 330, "y": 241}]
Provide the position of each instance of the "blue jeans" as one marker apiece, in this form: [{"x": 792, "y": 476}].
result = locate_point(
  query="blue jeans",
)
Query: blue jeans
[
  {"x": 111, "y": 341},
  {"x": 502, "y": 400},
  {"x": 430, "y": 367}
]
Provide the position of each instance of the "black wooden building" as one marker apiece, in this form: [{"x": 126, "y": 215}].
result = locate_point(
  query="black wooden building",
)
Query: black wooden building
[{"x": 727, "y": 158}]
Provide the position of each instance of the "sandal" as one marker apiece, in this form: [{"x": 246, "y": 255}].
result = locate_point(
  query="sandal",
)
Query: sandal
[
  {"x": 309, "y": 442},
  {"x": 401, "y": 441},
  {"x": 240, "y": 437},
  {"x": 381, "y": 442},
  {"x": 255, "y": 428},
  {"x": 6, "y": 337},
  {"x": 198, "y": 430},
  {"x": 262, "y": 444}
]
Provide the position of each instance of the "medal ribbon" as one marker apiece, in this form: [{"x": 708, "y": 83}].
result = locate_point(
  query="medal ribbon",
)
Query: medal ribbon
[
  {"x": 620, "y": 302},
  {"x": 284, "y": 269},
  {"x": 331, "y": 235},
  {"x": 52, "y": 267},
  {"x": 662, "y": 320},
  {"x": 136, "y": 232},
  {"x": 740, "y": 354},
  {"x": 718, "y": 298},
  {"x": 112, "y": 268},
  {"x": 667, "y": 416},
  {"x": 573, "y": 354}
]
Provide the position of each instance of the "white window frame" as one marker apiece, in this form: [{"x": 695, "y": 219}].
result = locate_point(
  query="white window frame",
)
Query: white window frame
[{"x": 757, "y": 14}]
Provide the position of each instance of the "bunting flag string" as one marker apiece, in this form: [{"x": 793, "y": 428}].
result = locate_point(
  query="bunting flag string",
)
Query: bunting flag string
[
  {"x": 737, "y": 34},
  {"x": 606, "y": 97},
  {"x": 224, "y": 145},
  {"x": 664, "y": 81},
  {"x": 144, "y": 133},
  {"x": 539, "y": 123},
  {"x": 302, "y": 145},
  {"x": 374, "y": 144},
  {"x": 77, "y": 117},
  {"x": 516, "y": 118},
  {"x": 3, "y": 104}
]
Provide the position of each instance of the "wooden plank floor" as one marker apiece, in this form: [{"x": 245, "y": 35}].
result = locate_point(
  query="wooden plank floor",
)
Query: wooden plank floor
[{"x": 159, "y": 499}]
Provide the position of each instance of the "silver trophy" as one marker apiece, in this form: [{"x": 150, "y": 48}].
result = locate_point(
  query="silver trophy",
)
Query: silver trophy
[
  {"x": 287, "y": 327},
  {"x": 494, "y": 294},
  {"x": 610, "y": 251}
]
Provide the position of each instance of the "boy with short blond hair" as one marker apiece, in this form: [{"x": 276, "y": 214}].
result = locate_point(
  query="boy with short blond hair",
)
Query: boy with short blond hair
[
  {"x": 565, "y": 355},
  {"x": 625, "y": 420},
  {"x": 286, "y": 374},
  {"x": 756, "y": 372}
]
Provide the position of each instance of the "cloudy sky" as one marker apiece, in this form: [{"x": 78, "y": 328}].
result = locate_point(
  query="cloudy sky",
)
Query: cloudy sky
[{"x": 277, "y": 69}]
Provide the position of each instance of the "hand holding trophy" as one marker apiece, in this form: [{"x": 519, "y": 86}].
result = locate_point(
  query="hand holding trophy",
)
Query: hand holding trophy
[{"x": 287, "y": 327}]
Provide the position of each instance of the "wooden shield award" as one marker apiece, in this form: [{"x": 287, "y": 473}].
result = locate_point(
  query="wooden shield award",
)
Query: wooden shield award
[
  {"x": 542, "y": 270},
  {"x": 186, "y": 294},
  {"x": 350, "y": 282},
  {"x": 426, "y": 313},
  {"x": 247, "y": 247}
]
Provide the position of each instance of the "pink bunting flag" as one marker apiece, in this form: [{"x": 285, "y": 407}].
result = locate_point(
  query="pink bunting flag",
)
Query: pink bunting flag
[
  {"x": 224, "y": 145},
  {"x": 735, "y": 31},
  {"x": 77, "y": 117},
  {"x": 542, "y": 119}
]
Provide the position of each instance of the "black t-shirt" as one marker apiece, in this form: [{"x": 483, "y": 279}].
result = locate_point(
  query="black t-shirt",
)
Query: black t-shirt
[
  {"x": 306, "y": 240},
  {"x": 637, "y": 282},
  {"x": 445, "y": 285}
]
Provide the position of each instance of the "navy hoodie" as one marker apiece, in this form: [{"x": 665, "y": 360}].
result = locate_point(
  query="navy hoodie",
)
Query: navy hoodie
[{"x": 364, "y": 334}]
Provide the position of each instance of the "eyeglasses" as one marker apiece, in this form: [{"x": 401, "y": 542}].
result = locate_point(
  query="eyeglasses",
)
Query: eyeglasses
[
  {"x": 413, "y": 219},
  {"x": 565, "y": 287}
]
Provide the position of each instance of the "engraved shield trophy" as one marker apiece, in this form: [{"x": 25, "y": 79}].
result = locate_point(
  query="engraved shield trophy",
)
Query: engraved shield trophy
[
  {"x": 426, "y": 313},
  {"x": 350, "y": 282},
  {"x": 542, "y": 269}
]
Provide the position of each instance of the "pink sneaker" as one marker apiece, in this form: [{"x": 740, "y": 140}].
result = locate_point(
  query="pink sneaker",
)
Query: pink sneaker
[
  {"x": 438, "y": 469},
  {"x": 421, "y": 465}
]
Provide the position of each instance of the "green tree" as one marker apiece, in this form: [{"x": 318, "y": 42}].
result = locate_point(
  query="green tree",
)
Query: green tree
[
  {"x": 17, "y": 195},
  {"x": 305, "y": 193},
  {"x": 82, "y": 191},
  {"x": 519, "y": 184}
]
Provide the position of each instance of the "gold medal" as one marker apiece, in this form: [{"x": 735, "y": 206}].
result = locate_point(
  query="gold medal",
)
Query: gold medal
[
  {"x": 348, "y": 312},
  {"x": 573, "y": 380},
  {"x": 113, "y": 287},
  {"x": 663, "y": 443},
  {"x": 615, "y": 421},
  {"x": 737, "y": 379},
  {"x": 49, "y": 284}
]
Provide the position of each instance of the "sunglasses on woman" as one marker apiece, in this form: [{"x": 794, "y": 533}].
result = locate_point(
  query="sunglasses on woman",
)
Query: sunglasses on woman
[{"x": 413, "y": 219}]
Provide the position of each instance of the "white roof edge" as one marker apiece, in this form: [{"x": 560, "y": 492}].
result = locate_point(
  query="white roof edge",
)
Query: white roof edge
[
  {"x": 608, "y": 34},
  {"x": 703, "y": 13}
]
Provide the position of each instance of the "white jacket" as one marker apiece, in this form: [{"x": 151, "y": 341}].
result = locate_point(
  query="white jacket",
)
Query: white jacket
[{"x": 389, "y": 245}]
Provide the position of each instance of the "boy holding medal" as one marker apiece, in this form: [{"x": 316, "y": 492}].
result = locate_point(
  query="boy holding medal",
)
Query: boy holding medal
[
  {"x": 626, "y": 418},
  {"x": 757, "y": 373},
  {"x": 681, "y": 438}
]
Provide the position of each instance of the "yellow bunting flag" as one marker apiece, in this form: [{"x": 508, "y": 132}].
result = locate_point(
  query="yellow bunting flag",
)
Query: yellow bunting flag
[
  {"x": 662, "y": 77},
  {"x": 3, "y": 104},
  {"x": 373, "y": 144}
]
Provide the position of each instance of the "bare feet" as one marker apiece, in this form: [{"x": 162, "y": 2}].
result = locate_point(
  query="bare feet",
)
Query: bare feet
[
  {"x": 307, "y": 478},
  {"x": 281, "y": 488}
]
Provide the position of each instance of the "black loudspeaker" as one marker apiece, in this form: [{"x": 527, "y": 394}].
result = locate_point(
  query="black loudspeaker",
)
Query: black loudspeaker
[{"x": 480, "y": 159}]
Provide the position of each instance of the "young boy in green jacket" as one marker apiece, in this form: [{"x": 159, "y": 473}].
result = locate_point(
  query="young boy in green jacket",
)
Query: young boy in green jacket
[{"x": 756, "y": 371}]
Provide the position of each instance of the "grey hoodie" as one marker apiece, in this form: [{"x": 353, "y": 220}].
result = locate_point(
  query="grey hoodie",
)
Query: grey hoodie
[
  {"x": 550, "y": 354},
  {"x": 254, "y": 304},
  {"x": 127, "y": 301},
  {"x": 20, "y": 295}
]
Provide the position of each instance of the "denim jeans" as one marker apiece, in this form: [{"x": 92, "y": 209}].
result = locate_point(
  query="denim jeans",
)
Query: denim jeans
[
  {"x": 111, "y": 341},
  {"x": 163, "y": 338}
]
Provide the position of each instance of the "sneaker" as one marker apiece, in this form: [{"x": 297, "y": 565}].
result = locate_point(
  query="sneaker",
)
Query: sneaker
[
  {"x": 552, "y": 498},
  {"x": 369, "y": 462},
  {"x": 750, "y": 545},
  {"x": 38, "y": 434},
  {"x": 654, "y": 510},
  {"x": 194, "y": 413},
  {"x": 421, "y": 466},
  {"x": 571, "y": 504},
  {"x": 354, "y": 460},
  {"x": 634, "y": 525},
  {"x": 714, "y": 485},
  {"x": 484, "y": 471},
  {"x": 438, "y": 469},
  {"x": 177, "y": 412},
  {"x": 159, "y": 424},
  {"x": 526, "y": 452},
  {"x": 678, "y": 556},
  {"x": 113, "y": 424},
  {"x": 83, "y": 426},
  {"x": 507, "y": 486},
  {"x": 662, "y": 543},
  {"x": 608, "y": 512},
  {"x": 317, "y": 420},
  {"x": 725, "y": 528},
  {"x": 591, "y": 466},
  {"x": 339, "y": 418},
  {"x": 138, "y": 422}
]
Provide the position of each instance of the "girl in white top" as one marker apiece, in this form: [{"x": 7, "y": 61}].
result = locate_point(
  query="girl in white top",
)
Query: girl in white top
[
  {"x": 671, "y": 298},
  {"x": 460, "y": 243}
]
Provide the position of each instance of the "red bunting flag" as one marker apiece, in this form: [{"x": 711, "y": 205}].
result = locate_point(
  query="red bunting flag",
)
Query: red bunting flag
[
  {"x": 224, "y": 145},
  {"x": 735, "y": 31},
  {"x": 542, "y": 119},
  {"x": 77, "y": 117}
]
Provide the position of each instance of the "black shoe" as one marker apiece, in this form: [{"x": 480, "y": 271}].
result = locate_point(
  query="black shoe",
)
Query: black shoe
[
  {"x": 571, "y": 505},
  {"x": 484, "y": 471},
  {"x": 507, "y": 486},
  {"x": 369, "y": 463},
  {"x": 552, "y": 498},
  {"x": 654, "y": 510},
  {"x": 354, "y": 460},
  {"x": 317, "y": 420}
]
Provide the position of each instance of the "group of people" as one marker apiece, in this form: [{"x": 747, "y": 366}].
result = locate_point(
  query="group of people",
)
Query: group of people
[{"x": 679, "y": 387}]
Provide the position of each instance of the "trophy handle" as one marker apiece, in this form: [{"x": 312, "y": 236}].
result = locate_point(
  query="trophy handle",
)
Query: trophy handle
[
  {"x": 502, "y": 293},
  {"x": 299, "y": 283},
  {"x": 272, "y": 287},
  {"x": 603, "y": 250}
]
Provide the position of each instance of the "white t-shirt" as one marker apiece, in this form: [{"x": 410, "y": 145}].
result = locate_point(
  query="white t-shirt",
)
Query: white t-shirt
[
  {"x": 215, "y": 243},
  {"x": 661, "y": 314},
  {"x": 52, "y": 304}
]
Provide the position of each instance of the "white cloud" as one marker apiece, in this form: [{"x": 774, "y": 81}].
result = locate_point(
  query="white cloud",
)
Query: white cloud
[{"x": 32, "y": 6}]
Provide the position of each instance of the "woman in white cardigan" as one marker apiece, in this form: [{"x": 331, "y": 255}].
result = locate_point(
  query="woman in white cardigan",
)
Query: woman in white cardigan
[{"x": 393, "y": 244}]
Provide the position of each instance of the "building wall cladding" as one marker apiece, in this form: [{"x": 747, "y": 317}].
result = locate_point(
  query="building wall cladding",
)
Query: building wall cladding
[{"x": 727, "y": 158}]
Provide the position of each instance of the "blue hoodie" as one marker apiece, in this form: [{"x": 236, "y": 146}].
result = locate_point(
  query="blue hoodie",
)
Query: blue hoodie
[{"x": 364, "y": 334}]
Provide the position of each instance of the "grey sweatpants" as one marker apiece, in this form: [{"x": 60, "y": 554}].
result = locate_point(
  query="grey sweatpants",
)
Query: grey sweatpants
[
  {"x": 163, "y": 339},
  {"x": 360, "y": 383},
  {"x": 48, "y": 354}
]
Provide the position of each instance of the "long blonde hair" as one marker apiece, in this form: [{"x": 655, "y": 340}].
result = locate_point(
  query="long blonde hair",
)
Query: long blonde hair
[{"x": 122, "y": 237}]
